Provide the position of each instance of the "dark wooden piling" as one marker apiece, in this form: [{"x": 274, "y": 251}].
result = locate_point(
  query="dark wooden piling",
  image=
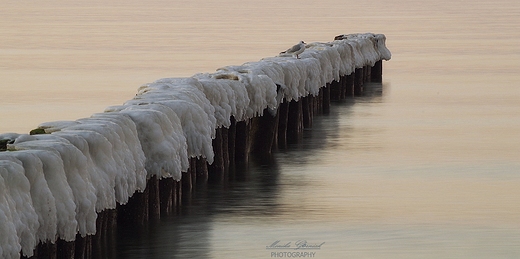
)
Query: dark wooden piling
[
  {"x": 367, "y": 71},
  {"x": 177, "y": 195},
  {"x": 202, "y": 170},
  {"x": 135, "y": 212},
  {"x": 242, "y": 143},
  {"x": 46, "y": 250},
  {"x": 64, "y": 249},
  {"x": 377, "y": 72},
  {"x": 295, "y": 122},
  {"x": 358, "y": 81},
  {"x": 232, "y": 132},
  {"x": 217, "y": 169},
  {"x": 350, "y": 85},
  {"x": 188, "y": 179},
  {"x": 335, "y": 90},
  {"x": 106, "y": 225},
  {"x": 83, "y": 249},
  {"x": 166, "y": 189},
  {"x": 225, "y": 149},
  {"x": 307, "y": 111},
  {"x": 100, "y": 243},
  {"x": 343, "y": 88},
  {"x": 154, "y": 202},
  {"x": 187, "y": 184},
  {"x": 283, "y": 114},
  {"x": 265, "y": 130},
  {"x": 326, "y": 99}
]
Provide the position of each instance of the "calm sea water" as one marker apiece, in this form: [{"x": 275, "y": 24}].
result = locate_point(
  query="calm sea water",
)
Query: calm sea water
[{"x": 425, "y": 166}]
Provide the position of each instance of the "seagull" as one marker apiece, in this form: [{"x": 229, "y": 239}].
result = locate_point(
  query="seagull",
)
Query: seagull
[{"x": 296, "y": 49}]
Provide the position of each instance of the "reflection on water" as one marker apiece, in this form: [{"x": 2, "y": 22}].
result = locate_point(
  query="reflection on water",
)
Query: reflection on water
[{"x": 336, "y": 187}]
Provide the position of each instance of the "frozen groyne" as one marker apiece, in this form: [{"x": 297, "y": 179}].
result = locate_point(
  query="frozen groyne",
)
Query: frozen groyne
[{"x": 67, "y": 183}]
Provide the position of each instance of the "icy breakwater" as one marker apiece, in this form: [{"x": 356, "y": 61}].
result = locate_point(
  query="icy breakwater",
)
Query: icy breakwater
[{"x": 68, "y": 182}]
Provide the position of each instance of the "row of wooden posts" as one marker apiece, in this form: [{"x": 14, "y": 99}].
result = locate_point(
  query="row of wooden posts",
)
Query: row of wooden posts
[{"x": 232, "y": 146}]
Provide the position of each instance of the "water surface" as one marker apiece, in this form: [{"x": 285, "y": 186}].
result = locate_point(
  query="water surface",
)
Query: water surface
[{"x": 425, "y": 166}]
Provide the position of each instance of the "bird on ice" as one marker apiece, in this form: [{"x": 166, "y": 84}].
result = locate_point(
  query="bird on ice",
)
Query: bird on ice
[{"x": 295, "y": 50}]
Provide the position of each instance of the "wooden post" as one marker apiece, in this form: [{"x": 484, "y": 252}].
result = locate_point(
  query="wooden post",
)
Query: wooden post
[
  {"x": 202, "y": 170},
  {"x": 65, "y": 249},
  {"x": 283, "y": 113},
  {"x": 242, "y": 143},
  {"x": 97, "y": 239},
  {"x": 193, "y": 173},
  {"x": 166, "y": 194},
  {"x": 367, "y": 72},
  {"x": 318, "y": 105},
  {"x": 178, "y": 196},
  {"x": 46, "y": 250},
  {"x": 232, "y": 132},
  {"x": 358, "y": 82},
  {"x": 295, "y": 122},
  {"x": 187, "y": 183},
  {"x": 343, "y": 88},
  {"x": 350, "y": 85},
  {"x": 377, "y": 72},
  {"x": 106, "y": 226},
  {"x": 217, "y": 168},
  {"x": 326, "y": 99},
  {"x": 83, "y": 249},
  {"x": 264, "y": 134},
  {"x": 335, "y": 90},
  {"x": 306, "y": 112},
  {"x": 225, "y": 148},
  {"x": 154, "y": 203},
  {"x": 135, "y": 212}
]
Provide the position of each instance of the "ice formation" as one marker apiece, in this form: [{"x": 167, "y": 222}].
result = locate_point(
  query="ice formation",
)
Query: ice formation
[{"x": 52, "y": 185}]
